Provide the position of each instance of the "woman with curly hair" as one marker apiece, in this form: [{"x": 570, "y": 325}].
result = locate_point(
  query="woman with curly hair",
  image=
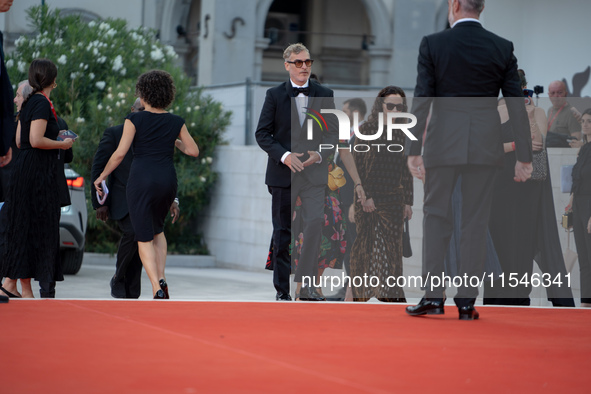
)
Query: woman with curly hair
[
  {"x": 152, "y": 183},
  {"x": 388, "y": 187}
]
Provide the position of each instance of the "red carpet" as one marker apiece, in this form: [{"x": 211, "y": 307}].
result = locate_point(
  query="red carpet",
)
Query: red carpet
[{"x": 64, "y": 346}]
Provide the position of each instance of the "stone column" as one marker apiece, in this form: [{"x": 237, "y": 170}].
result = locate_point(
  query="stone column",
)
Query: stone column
[{"x": 227, "y": 41}]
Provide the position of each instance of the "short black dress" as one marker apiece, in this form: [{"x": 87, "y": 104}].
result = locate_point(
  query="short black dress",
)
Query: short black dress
[
  {"x": 152, "y": 184},
  {"x": 29, "y": 234}
]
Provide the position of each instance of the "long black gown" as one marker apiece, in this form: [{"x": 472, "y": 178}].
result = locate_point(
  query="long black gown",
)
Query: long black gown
[
  {"x": 30, "y": 216},
  {"x": 152, "y": 181}
]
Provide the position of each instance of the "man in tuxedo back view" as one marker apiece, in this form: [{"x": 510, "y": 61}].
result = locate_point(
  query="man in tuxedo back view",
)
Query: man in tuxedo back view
[
  {"x": 461, "y": 72},
  {"x": 126, "y": 283},
  {"x": 296, "y": 166}
]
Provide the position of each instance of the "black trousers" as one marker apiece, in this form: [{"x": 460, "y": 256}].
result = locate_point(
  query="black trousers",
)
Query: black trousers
[
  {"x": 477, "y": 186},
  {"x": 128, "y": 269},
  {"x": 581, "y": 214}
]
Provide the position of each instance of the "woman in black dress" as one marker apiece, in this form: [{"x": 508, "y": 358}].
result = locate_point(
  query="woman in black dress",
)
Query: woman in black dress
[
  {"x": 31, "y": 213},
  {"x": 152, "y": 184},
  {"x": 581, "y": 204}
]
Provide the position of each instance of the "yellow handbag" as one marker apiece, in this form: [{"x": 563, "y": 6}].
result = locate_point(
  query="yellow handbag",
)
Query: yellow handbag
[{"x": 336, "y": 178}]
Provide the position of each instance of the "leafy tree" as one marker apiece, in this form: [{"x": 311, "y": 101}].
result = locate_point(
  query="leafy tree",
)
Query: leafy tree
[{"x": 98, "y": 64}]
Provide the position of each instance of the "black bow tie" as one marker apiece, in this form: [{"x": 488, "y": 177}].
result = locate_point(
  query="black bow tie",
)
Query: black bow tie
[{"x": 305, "y": 91}]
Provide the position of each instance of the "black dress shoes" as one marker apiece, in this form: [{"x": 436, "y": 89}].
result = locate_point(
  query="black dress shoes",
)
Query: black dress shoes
[
  {"x": 426, "y": 307},
  {"x": 282, "y": 297},
  {"x": 164, "y": 288},
  {"x": 310, "y": 294},
  {"x": 468, "y": 313},
  {"x": 159, "y": 295}
]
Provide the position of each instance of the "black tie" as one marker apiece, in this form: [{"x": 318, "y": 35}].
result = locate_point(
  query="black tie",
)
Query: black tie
[{"x": 305, "y": 91}]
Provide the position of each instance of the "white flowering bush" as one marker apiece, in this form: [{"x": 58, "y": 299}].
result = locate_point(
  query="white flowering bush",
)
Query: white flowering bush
[{"x": 98, "y": 64}]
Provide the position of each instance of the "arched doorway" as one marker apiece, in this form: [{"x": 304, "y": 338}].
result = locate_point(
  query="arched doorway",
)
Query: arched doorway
[{"x": 340, "y": 45}]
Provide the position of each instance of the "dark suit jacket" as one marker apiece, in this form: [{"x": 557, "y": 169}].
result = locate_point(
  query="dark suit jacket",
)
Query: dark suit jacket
[
  {"x": 7, "y": 127},
  {"x": 279, "y": 131},
  {"x": 465, "y": 68},
  {"x": 117, "y": 183}
]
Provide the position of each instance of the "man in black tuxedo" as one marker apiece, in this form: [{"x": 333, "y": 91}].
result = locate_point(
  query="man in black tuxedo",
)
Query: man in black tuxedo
[
  {"x": 126, "y": 283},
  {"x": 297, "y": 166},
  {"x": 461, "y": 72},
  {"x": 7, "y": 128}
]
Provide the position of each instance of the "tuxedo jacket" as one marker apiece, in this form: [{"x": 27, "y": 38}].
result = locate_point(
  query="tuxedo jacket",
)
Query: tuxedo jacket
[
  {"x": 279, "y": 131},
  {"x": 117, "y": 183},
  {"x": 7, "y": 126},
  {"x": 461, "y": 72}
]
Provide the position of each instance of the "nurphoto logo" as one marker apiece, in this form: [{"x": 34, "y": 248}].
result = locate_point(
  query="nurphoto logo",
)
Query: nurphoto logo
[{"x": 345, "y": 127}]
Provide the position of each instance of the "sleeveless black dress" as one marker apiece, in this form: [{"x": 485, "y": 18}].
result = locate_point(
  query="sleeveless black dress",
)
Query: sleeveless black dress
[
  {"x": 152, "y": 184},
  {"x": 30, "y": 216}
]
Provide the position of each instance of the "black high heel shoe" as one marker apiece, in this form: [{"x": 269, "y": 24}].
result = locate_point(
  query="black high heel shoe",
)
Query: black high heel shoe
[
  {"x": 159, "y": 295},
  {"x": 8, "y": 293},
  {"x": 164, "y": 287}
]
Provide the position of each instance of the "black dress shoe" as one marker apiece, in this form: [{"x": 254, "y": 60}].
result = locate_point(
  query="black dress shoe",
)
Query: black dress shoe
[
  {"x": 426, "y": 307},
  {"x": 160, "y": 295},
  {"x": 310, "y": 294},
  {"x": 164, "y": 287},
  {"x": 282, "y": 297},
  {"x": 468, "y": 313}
]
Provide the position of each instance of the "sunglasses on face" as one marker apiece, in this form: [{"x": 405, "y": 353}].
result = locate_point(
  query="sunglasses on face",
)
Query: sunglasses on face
[
  {"x": 399, "y": 107},
  {"x": 300, "y": 63}
]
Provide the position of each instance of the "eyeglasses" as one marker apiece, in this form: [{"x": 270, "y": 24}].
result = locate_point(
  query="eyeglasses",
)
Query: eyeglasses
[
  {"x": 399, "y": 107},
  {"x": 300, "y": 63}
]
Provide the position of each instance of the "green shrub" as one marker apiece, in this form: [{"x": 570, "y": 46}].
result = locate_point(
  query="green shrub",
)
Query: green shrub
[{"x": 98, "y": 65}]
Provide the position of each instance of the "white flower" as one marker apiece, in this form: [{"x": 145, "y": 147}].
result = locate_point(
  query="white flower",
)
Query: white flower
[
  {"x": 100, "y": 84},
  {"x": 91, "y": 76},
  {"x": 44, "y": 33},
  {"x": 121, "y": 95},
  {"x": 73, "y": 75},
  {"x": 102, "y": 59},
  {"x": 123, "y": 71},
  {"x": 170, "y": 52},
  {"x": 80, "y": 120},
  {"x": 19, "y": 41},
  {"x": 21, "y": 66},
  {"x": 91, "y": 24},
  {"x": 59, "y": 41},
  {"x": 177, "y": 108},
  {"x": 111, "y": 32},
  {"x": 202, "y": 179},
  {"x": 156, "y": 53},
  {"x": 203, "y": 161},
  {"x": 118, "y": 63},
  {"x": 36, "y": 54},
  {"x": 109, "y": 110},
  {"x": 209, "y": 160},
  {"x": 196, "y": 108},
  {"x": 71, "y": 50},
  {"x": 99, "y": 107},
  {"x": 9, "y": 63},
  {"x": 188, "y": 109},
  {"x": 104, "y": 26},
  {"x": 110, "y": 96},
  {"x": 118, "y": 104},
  {"x": 193, "y": 124}
]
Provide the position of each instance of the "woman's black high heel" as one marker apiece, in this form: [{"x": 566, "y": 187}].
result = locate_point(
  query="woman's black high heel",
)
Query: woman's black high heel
[
  {"x": 8, "y": 293},
  {"x": 159, "y": 295},
  {"x": 164, "y": 287}
]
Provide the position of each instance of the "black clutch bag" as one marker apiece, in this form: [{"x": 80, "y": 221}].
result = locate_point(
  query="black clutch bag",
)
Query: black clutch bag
[{"x": 406, "y": 249}]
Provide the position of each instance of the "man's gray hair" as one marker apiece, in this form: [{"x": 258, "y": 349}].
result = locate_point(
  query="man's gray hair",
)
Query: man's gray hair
[
  {"x": 294, "y": 48},
  {"x": 27, "y": 89},
  {"x": 475, "y": 6}
]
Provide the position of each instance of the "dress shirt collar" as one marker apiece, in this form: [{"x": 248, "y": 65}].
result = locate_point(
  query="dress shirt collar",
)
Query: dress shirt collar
[
  {"x": 293, "y": 85},
  {"x": 465, "y": 20}
]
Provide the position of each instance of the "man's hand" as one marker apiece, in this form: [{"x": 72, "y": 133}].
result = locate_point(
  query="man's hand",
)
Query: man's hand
[
  {"x": 314, "y": 158},
  {"x": 294, "y": 163},
  {"x": 407, "y": 212},
  {"x": 351, "y": 213},
  {"x": 522, "y": 171},
  {"x": 102, "y": 213},
  {"x": 4, "y": 160},
  {"x": 536, "y": 146},
  {"x": 369, "y": 205},
  {"x": 416, "y": 166},
  {"x": 175, "y": 212}
]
